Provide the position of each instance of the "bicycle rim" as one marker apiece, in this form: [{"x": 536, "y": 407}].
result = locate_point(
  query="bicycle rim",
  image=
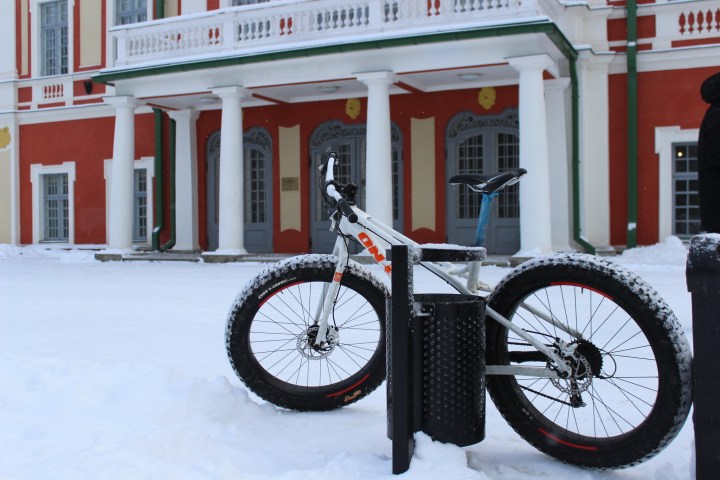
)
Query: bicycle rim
[
  {"x": 621, "y": 385},
  {"x": 282, "y": 336}
]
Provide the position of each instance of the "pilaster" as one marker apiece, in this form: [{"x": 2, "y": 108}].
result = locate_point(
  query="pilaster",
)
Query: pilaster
[{"x": 535, "y": 218}]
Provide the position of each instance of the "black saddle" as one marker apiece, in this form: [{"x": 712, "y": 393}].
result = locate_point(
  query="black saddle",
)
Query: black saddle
[{"x": 489, "y": 183}]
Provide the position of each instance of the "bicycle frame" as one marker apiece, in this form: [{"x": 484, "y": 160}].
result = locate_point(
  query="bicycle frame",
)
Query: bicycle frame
[{"x": 375, "y": 237}]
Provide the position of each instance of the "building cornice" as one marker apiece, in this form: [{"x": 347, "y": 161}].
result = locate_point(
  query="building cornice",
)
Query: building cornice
[{"x": 540, "y": 27}]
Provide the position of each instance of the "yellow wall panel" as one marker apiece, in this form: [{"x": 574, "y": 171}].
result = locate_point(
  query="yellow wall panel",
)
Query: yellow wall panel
[
  {"x": 5, "y": 197},
  {"x": 290, "y": 192},
  {"x": 422, "y": 161},
  {"x": 90, "y": 33}
]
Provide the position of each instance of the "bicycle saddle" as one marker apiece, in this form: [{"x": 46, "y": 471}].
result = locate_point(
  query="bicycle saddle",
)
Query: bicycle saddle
[{"x": 488, "y": 183}]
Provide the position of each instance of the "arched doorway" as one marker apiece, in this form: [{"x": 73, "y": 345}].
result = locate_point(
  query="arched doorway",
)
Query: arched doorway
[
  {"x": 348, "y": 142},
  {"x": 257, "y": 156},
  {"x": 483, "y": 144}
]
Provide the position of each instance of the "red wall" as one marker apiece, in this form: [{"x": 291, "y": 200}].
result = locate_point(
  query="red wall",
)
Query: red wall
[
  {"x": 88, "y": 143},
  {"x": 442, "y": 106},
  {"x": 665, "y": 98}
]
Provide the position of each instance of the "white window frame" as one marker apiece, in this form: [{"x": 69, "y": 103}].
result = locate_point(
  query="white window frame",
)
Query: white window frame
[
  {"x": 110, "y": 22},
  {"x": 665, "y": 137},
  {"x": 147, "y": 163},
  {"x": 35, "y": 55},
  {"x": 37, "y": 170}
]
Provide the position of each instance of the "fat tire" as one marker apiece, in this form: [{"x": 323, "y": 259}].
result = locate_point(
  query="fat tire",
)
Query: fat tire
[
  {"x": 289, "y": 274},
  {"x": 653, "y": 317}
]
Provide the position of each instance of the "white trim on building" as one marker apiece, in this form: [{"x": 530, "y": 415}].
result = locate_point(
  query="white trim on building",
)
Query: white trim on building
[
  {"x": 665, "y": 137},
  {"x": 36, "y": 172}
]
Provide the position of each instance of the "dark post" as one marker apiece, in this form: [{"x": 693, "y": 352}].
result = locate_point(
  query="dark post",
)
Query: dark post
[
  {"x": 703, "y": 281},
  {"x": 399, "y": 387}
]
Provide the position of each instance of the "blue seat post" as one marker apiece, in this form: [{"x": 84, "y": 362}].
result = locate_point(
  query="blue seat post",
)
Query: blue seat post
[{"x": 483, "y": 218}]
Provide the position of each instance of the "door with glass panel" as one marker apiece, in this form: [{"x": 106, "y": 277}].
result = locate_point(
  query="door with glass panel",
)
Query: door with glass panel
[
  {"x": 349, "y": 143},
  {"x": 483, "y": 145},
  {"x": 257, "y": 178}
]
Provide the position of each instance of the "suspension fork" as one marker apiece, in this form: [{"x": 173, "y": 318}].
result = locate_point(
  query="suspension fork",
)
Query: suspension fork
[{"x": 330, "y": 291}]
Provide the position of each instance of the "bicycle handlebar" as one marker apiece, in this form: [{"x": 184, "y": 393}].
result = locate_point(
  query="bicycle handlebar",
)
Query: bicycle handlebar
[{"x": 342, "y": 203}]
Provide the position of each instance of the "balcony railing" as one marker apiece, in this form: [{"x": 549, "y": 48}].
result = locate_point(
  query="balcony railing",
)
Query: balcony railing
[
  {"x": 296, "y": 24},
  {"x": 687, "y": 23}
]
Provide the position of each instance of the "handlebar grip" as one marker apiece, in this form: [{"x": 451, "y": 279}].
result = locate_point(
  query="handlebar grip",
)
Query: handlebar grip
[{"x": 347, "y": 210}]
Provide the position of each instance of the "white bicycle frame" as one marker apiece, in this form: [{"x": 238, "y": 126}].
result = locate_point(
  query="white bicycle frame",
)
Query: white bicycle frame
[{"x": 376, "y": 237}]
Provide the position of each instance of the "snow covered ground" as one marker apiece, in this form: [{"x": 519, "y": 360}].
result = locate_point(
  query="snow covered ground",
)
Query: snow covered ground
[{"x": 118, "y": 371}]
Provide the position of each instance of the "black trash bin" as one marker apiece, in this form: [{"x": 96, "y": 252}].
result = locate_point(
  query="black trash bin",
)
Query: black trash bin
[
  {"x": 453, "y": 367},
  {"x": 446, "y": 368}
]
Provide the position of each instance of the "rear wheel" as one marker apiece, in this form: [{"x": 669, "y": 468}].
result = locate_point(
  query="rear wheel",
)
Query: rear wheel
[
  {"x": 630, "y": 388},
  {"x": 271, "y": 335}
]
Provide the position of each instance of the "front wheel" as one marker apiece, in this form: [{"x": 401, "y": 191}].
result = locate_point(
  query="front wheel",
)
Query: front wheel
[
  {"x": 271, "y": 335},
  {"x": 629, "y": 392}
]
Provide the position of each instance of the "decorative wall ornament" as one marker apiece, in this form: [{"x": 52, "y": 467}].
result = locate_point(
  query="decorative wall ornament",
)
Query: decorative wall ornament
[
  {"x": 256, "y": 136},
  {"x": 487, "y": 97},
  {"x": 333, "y": 130},
  {"x": 5, "y": 137},
  {"x": 353, "y": 107},
  {"x": 464, "y": 121}
]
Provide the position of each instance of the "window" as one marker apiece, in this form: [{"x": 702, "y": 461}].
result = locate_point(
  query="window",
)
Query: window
[
  {"x": 56, "y": 218},
  {"x": 54, "y": 38},
  {"x": 144, "y": 173},
  {"x": 686, "y": 201},
  {"x": 53, "y": 200},
  {"x": 140, "y": 206},
  {"x": 255, "y": 188},
  {"x": 130, "y": 11}
]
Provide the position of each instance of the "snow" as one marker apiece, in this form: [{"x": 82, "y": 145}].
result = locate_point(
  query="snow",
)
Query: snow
[{"x": 118, "y": 371}]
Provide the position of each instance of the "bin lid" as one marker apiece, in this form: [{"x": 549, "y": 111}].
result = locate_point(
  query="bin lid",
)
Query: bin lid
[{"x": 702, "y": 270}]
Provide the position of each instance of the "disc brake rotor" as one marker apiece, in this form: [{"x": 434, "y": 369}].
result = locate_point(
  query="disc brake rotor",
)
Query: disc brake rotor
[{"x": 306, "y": 342}]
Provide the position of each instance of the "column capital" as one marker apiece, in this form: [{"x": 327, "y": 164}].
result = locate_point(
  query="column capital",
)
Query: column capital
[
  {"x": 123, "y": 101},
  {"x": 534, "y": 62},
  {"x": 229, "y": 91},
  {"x": 557, "y": 84},
  {"x": 186, "y": 114},
  {"x": 385, "y": 76},
  {"x": 588, "y": 60}
]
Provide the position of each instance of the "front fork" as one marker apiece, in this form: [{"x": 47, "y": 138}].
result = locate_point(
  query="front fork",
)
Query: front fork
[{"x": 330, "y": 292}]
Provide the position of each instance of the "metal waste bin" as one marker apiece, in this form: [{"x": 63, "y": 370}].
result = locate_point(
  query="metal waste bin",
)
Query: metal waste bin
[
  {"x": 446, "y": 368},
  {"x": 453, "y": 367}
]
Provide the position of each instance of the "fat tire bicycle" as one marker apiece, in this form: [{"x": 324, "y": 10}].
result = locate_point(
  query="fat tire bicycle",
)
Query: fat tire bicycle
[{"x": 584, "y": 359}]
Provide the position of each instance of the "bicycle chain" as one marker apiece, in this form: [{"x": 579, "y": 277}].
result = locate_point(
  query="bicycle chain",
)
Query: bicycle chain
[{"x": 547, "y": 396}]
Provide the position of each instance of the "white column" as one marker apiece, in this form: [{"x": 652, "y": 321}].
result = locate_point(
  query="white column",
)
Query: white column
[
  {"x": 556, "y": 92},
  {"x": 594, "y": 150},
  {"x": 231, "y": 229},
  {"x": 186, "y": 188},
  {"x": 535, "y": 219},
  {"x": 378, "y": 159},
  {"x": 120, "y": 230}
]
